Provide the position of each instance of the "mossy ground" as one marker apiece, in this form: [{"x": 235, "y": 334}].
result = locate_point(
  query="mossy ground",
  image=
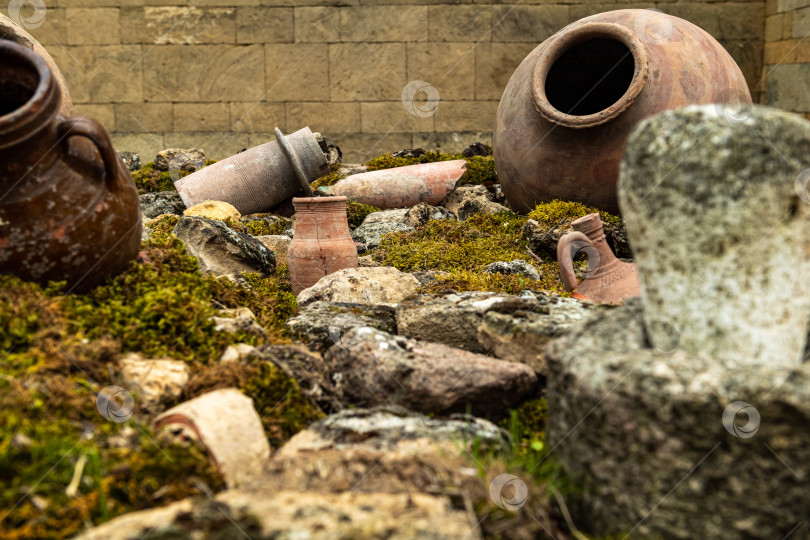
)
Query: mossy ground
[
  {"x": 480, "y": 169},
  {"x": 150, "y": 180}
]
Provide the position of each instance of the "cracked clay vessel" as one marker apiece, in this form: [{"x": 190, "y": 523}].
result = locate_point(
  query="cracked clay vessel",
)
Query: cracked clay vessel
[
  {"x": 69, "y": 210},
  {"x": 321, "y": 242},
  {"x": 608, "y": 280},
  {"x": 565, "y": 116}
]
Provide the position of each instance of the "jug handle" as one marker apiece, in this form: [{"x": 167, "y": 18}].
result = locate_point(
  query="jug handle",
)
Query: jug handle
[
  {"x": 565, "y": 258},
  {"x": 85, "y": 126}
]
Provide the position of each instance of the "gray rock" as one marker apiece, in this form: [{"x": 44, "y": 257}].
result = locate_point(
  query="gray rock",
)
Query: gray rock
[
  {"x": 397, "y": 215},
  {"x": 155, "y": 382},
  {"x": 428, "y": 276},
  {"x": 330, "y": 150},
  {"x": 453, "y": 319},
  {"x": 239, "y": 320},
  {"x": 464, "y": 193},
  {"x": 162, "y": 202},
  {"x": 479, "y": 206},
  {"x": 323, "y": 324},
  {"x": 420, "y": 214},
  {"x": 644, "y": 431},
  {"x": 377, "y": 368},
  {"x": 183, "y": 159},
  {"x": 370, "y": 234},
  {"x": 222, "y": 251},
  {"x": 279, "y": 244},
  {"x": 721, "y": 232},
  {"x": 516, "y": 267},
  {"x": 384, "y": 285},
  {"x": 132, "y": 161},
  {"x": 522, "y": 335}
]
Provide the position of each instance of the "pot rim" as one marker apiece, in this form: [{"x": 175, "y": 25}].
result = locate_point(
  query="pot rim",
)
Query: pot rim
[
  {"x": 32, "y": 116},
  {"x": 573, "y": 35},
  {"x": 310, "y": 200}
]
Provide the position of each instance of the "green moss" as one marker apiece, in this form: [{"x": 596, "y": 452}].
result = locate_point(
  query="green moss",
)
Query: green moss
[
  {"x": 329, "y": 179},
  {"x": 357, "y": 212},
  {"x": 463, "y": 280},
  {"x": 480, "y": 169},
  {"x": 150, "y": 180},
  {"x": 551, "y": 213},
  {"x": 260, "y": 224}
]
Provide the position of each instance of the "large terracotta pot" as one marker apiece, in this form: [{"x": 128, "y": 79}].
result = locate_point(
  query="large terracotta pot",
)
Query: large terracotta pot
[
  {"x": 566, "y": 114},
  {"x": 68, "y": 207},
  {"x": 321, "y": 242}
]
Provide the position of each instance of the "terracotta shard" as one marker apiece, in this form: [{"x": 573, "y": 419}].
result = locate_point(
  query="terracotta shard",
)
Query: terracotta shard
[
  {"x": 403, "y": 187},
  {"x": 565, "y": 116},
  {"x": 608, "y": 280},
  {"x": 69, "y": 210}
]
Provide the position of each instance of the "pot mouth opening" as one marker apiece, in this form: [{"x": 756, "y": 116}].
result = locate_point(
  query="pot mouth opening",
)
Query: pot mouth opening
[
  {"x": 27, "y": 95},
  {"x": 589, "y": 74}
]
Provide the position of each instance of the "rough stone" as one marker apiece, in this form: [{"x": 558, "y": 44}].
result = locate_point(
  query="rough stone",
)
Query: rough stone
[
  {"x": 184, "y": 159},
  {"x": 218, "y": 210},
  {"x": 162, "y": 202},
  {"x": 132, "y": 161},
  {"x": 516, "y": 267},
  {"x": 522, "y": 335},
  {"x": 377, "y": 368},
  {"x": 653, "y": 437},
  {"x": 239, "y": 320},
  {"x": 384, "y": 285},
  {"x": 453, "y": 319},
  {"x": 227, "y": 425},
  {"x": 332, "y": 151},
  {"x": 420, "y": 214},
  {"x": 323, "y": 324},
  {"x": 455, "y": 198},
  {"x": 477, "y": 149},
  {"x": 543, "y": 240},
  {"x": 237, "y": 353},
  {"x": 716, "y": 207},
  {"x": 397, "y": 215},
  {"x": 367, "y": 261},
  {"x": 154, "y": 381},
  {"x": 370, "y": 234},
  {"x": 479, "y": 206},
  {"x": 222, "y": 251},
  {"x": 428, "y": 276},
  {"x": 279, "y": 244}
]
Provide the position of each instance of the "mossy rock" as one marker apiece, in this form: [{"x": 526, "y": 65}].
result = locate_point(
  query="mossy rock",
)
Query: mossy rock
[
  {"x": 480, "y": 169},
  {"x": 557, "y": 211},
  {"x": 150, "y": 180}
]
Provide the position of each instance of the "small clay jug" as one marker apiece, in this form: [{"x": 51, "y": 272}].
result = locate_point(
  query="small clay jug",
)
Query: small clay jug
[
  {"x": 69, "y": 210},
  {"x": 321, "y": 243},
  {"x": 608, "y": 280}
]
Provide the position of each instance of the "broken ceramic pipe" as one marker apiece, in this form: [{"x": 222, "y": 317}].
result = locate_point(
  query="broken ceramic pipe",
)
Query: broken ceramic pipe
[
  {"x": 227, "y": 426},
  {"x": 403, "y": 187},
  {"x": 260, "y": 178},
  {"x": 608, "y": 280}
]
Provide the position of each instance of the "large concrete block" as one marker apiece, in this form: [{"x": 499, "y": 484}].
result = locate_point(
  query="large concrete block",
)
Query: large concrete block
[
  {"x": 257, "y": 116},
  {"x": 386, "y": 117},
  {"x": 143, "y": 117},
  {"x": 466, "y": 116},
  {"x": 264, "y": 25},
  {"x": 188, "y": 25},
  {"x": 448, "y": 67},
  {"x": 787, "y": 87},
  {"x": 101, "y": 73},
  {"x": 203, "y": 73},
  {"x": 324, "y": 117},
  {"x": 383, "y": 23},
  {"x": 494, "y": 65},
  {"x": 317, "y": 24},
  {"x": 367, "y": 71},
  {"x": 201, "y": 116},
  {"x": 92, "y": 26},
  {"x": 53, "y": 30},
  {"x": 297, "y": 71},
  {"x": 460, "y": 23},
  {"x": 533, "y": 24}
]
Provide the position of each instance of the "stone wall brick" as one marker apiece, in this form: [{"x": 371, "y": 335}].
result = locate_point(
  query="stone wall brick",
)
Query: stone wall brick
[
  {"x": 201, "y": 116},
  {"x": 186, "y": 25},
  {"x": 360, "y": 147},
  {"x": 92, "y": 26},
  {"x": 801, "y": 23},
  {"x": 264, "y": 25},
  {"x": 774, "y": 27},
  {"x": 787, "y": 87},
  {"x": 204, "y": 73},
  {"x": 143, "y": 117},
  {"x": 104, "y": 114},
  {"x": 392, "y": 117},
  {"x": 146, "y": 145},
  {"x": 791, "y": 5},
  {"x": 449, "y": 67},
  {"x": 466, "y": 116},
  {"x": 749, "y": 58},
  {"x": 367, "y": 71},
  {"x": 216, "y": 145},
  {"x": 460, "y": 23},
  {"x": 494, "y": 65},
  {"x": 297, "y": 72},
  {"x": 722, "y": 21},
  {"x": 450, "y": 142},
  {"x": 102, "y": 73},
  {"x": 257, "y": 117},
  {"x": 53, "y": 30},
  {"x": 318, "y": 24},
  {"x": 324, "y": 117},
  {"x": 533, "y": 24}
]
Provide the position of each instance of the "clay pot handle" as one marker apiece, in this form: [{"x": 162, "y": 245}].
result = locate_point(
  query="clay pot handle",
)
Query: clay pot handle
[
  {"x": 85, "y": 126},
  {"x": 565, "y": 258}
]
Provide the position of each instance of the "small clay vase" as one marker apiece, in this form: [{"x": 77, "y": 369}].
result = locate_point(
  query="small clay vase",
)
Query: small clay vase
[
  {"x": 69, "y": 210},
  {"x": 608, "y": 280},
  {"x": 321, "y": 243}
]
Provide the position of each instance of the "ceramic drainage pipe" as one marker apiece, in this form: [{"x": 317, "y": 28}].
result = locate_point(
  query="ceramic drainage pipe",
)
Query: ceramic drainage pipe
[
  {"x": 261, "y": 177},
  {"x": 403, "y": 187}
]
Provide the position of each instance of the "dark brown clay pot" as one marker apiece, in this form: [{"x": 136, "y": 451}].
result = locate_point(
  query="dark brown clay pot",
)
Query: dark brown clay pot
[
  {"x": 68, "y": 207},
  {"x": 321, "y": 243},
  {"x": 608, "y": 280},
  {"x": 566, "y": 114}
]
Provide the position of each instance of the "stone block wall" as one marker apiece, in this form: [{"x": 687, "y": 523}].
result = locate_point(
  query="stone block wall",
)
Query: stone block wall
[
  {"x": 787, "y": 55},
  {"x": 221, "y": 74}
]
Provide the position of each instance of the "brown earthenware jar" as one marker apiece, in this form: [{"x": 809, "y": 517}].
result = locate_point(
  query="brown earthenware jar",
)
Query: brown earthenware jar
[
  {"x": 321, "y": 243},
  {"x": 69, "y": 210},
  {"x": 565, "y": 116},
  {"x": 608, "y": 280}
]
